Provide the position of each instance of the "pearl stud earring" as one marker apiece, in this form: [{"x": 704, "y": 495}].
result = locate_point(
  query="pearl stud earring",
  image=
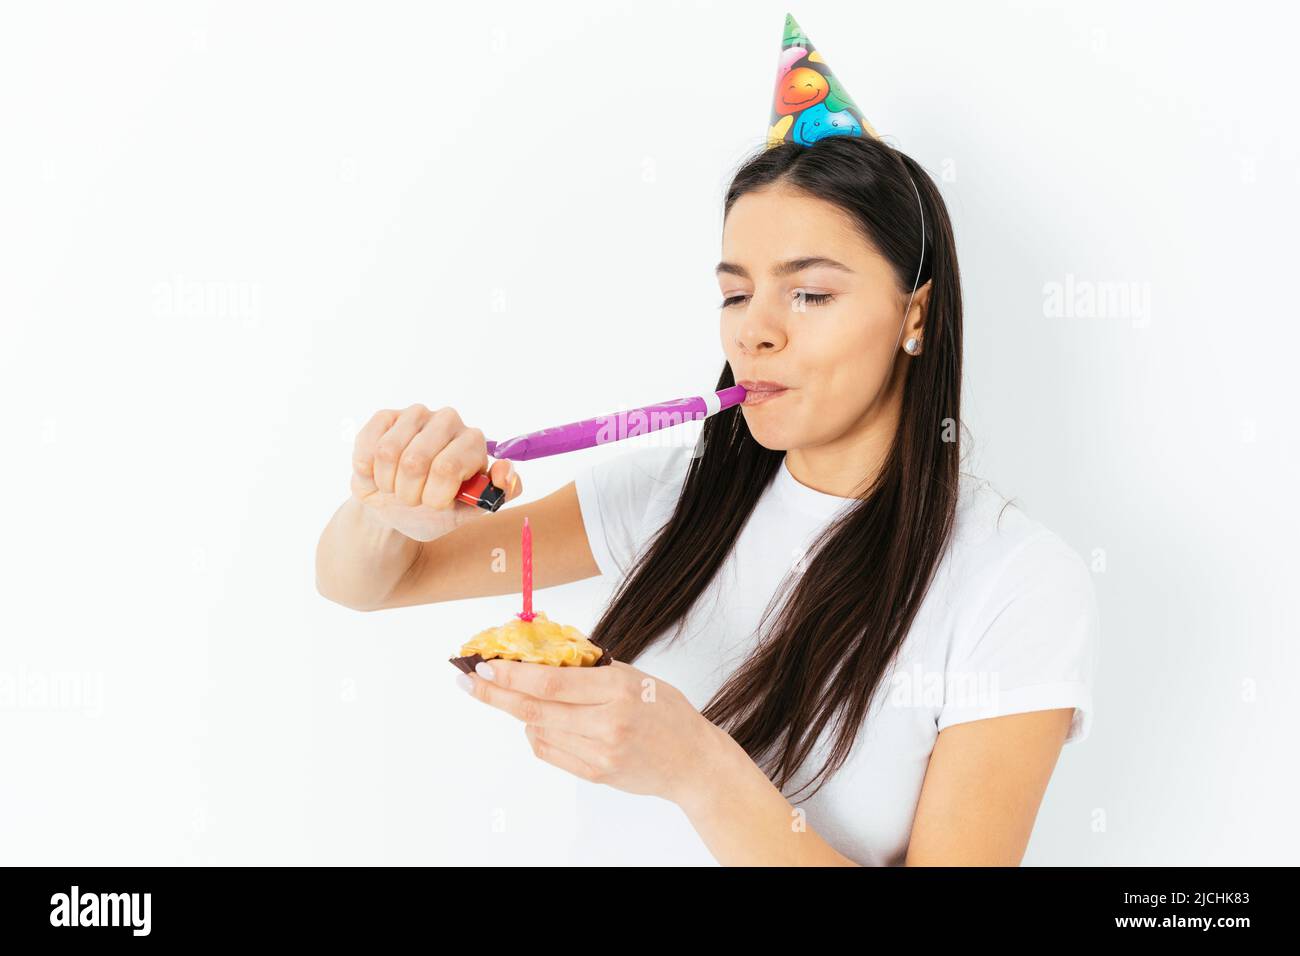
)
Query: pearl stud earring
[{"x": 912, "y": 346}]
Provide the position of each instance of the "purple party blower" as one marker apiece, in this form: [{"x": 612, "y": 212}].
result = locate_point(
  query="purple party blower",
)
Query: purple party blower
[{"x": 590, "y": 432}]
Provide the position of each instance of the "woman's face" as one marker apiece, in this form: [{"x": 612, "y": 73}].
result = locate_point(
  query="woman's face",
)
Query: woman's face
[{"x": 808, "y": 303}]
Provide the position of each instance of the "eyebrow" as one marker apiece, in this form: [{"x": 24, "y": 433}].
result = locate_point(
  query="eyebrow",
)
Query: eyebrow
[{"x": 789, "y": 267}]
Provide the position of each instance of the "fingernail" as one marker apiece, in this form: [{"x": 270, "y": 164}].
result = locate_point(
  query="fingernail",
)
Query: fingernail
[
  {"x": 514, "y": 482},
  {"x": 484, "y": 670},
  {"x": 465, "y": 683}
]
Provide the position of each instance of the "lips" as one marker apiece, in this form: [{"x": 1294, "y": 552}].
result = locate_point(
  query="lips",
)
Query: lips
[{"x": 758, "y": 391}]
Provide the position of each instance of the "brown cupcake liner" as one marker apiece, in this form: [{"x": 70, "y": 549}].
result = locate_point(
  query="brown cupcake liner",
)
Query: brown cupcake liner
[{"x": 467, "y": 664}]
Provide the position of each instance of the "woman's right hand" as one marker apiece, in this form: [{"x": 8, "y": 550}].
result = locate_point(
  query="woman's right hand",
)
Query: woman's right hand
[{"x": 408, "y": 466}]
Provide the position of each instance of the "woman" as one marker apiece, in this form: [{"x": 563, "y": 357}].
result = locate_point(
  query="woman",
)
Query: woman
[{"x": 925, "y": 648}]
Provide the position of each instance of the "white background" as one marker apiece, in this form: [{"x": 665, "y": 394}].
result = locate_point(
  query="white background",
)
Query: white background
[{"x": 230, "y": 232}]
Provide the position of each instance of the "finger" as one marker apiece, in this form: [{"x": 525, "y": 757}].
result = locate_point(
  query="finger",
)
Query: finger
[
  {"x": 572, "y": 685},
  {"x": 503, "y": 475},
  {"x": 558, "y": 757},
  {"x": 463, "y": 457},
  {"x": 363, "y": 450},
  {"x": 413, "y": 466},
  {"x": 575, "y": 718},
  {"x": 389, "y": 448}
]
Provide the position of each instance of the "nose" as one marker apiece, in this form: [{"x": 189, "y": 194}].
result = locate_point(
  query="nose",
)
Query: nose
[{"x": 761, "y": 328}]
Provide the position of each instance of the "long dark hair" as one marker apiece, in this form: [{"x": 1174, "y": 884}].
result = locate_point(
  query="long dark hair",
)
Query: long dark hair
[{"x": 865, "y": 575}]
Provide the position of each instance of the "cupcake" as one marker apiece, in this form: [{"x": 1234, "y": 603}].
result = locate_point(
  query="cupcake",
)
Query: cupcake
[{"x": 536, "y": 641}]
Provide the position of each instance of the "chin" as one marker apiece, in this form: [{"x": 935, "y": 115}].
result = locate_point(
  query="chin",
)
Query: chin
[{"x": 771, "y": 437}]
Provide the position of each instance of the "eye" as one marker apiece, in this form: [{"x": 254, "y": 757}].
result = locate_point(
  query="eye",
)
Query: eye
[
  {"x": 811, "y": 298},
  {"x": 814, "y": 298}
]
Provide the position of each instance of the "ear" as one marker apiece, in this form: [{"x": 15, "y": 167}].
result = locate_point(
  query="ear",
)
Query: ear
[{"x": 914, "y": 323}]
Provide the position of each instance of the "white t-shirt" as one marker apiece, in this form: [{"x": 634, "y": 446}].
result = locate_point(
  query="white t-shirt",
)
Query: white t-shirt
[{"x": 1008, "y": 625}]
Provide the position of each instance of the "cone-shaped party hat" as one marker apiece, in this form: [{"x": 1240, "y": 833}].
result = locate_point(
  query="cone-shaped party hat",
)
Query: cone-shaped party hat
[{"x": 809, "y": 103}]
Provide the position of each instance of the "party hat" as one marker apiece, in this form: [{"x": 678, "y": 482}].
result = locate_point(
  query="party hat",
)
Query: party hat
[{"x": 809, "y": 103}]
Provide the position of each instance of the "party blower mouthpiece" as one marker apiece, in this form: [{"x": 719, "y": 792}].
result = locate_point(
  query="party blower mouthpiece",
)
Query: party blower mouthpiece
[{"x": 616, "y": 426}]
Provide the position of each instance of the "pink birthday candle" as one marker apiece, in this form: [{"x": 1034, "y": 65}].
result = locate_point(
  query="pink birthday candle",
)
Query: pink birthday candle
[{"x": 526, "y": 547}]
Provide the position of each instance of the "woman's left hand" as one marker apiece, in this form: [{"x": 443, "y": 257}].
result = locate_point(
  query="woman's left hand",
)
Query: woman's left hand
[{"x": 614, "y": 725}]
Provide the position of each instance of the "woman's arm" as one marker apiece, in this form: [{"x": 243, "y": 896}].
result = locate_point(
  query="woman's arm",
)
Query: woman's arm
[
  {"x": 983, "y": 787},
  {"x": 981, "y": 794},
  {"x": 745, "y": 820},
  {"x": 483, "y": 557},
  {"x": 360, "y": 561},
  {"x": 366, "y": 566}
]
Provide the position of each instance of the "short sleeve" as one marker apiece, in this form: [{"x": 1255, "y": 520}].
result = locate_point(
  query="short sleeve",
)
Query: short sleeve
[
  {"x": 1033, "y": 644},
  {"x": 619, "y": 496}
]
